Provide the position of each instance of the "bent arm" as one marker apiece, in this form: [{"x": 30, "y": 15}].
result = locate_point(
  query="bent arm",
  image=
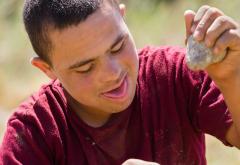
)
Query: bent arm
[
  {"x": 231, "y": 93},
  {"x": 23, "y": 144}
]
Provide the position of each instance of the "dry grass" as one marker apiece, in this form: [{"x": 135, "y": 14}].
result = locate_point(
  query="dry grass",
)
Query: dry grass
[{"x": 149, "y": 24}]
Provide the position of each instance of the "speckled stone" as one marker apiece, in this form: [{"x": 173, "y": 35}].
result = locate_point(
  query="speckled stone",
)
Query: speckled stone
[{"x": 199, "y": 56}]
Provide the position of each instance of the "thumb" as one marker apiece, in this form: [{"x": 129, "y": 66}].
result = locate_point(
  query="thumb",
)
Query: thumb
[{"x": 188, "y": 17}]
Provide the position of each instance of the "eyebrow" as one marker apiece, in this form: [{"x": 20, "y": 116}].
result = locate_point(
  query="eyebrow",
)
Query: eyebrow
[{"x": 84, "y": 62}]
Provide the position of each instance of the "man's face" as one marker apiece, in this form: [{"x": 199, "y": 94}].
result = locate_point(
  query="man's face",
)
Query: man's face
[{"x": 96, "y": 62}]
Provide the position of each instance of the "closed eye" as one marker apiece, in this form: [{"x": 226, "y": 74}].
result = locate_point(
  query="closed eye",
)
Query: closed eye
[
  {"x": 85, "y": 68},
  {"x": 118, "y": 47}
]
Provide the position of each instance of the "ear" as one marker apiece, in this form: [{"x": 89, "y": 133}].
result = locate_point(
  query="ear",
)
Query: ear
[
  {"x": 43, "y": 66},
  {"x": 122, "y": 9}
]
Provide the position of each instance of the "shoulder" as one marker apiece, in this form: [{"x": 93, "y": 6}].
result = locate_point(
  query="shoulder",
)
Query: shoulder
[
  {"x": 42, "y": 99},
  {"x": 161, "y": 51},
  {"x": 166, "y": 66},
  {"x": 40, "y": 112},
  {"x": 163, "y": 59},
  {"x": 36, "y": 127}
]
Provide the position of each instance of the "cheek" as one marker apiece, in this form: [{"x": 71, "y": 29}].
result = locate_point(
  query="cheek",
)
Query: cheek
[
  {"x": 80, "y": 84},
  {"x": 84, "y": 91},
  {"x": 131, "y": 57},
  {"x": 85, "y": 84}
]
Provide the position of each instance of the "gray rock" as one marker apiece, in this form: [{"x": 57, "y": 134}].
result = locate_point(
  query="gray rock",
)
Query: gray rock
[{"x": 199, "y": 56}]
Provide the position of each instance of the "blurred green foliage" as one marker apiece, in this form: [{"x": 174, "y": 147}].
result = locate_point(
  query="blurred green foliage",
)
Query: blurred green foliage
[
  {"x": 157, "y": 22},
  {"x": 16, "y": 75},
  {"x": 151, "y": 22}
]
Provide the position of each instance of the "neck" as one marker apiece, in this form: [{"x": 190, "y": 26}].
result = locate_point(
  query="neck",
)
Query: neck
[{"x": 92, "y": 117}]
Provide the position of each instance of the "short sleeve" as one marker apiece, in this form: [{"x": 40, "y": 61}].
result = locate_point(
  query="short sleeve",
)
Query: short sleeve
[
  {"x": 208, "y": 110},
  {"x": 22, "y": 144}
]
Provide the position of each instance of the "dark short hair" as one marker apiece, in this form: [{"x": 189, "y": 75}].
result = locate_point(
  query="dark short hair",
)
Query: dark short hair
[{"x": 39, "y": 15}]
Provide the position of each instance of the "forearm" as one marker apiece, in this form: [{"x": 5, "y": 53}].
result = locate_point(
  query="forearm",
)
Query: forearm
[{"x": 231, "y": 93}]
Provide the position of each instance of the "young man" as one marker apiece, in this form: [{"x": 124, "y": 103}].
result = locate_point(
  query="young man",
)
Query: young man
[{"x": 108, "y": 103}]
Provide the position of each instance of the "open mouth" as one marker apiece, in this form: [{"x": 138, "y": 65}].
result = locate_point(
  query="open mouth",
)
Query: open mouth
[{"x": 119, "y": 92}]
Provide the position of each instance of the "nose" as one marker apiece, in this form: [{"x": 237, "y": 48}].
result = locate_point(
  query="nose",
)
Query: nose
[{"x": 111, "y": 70}]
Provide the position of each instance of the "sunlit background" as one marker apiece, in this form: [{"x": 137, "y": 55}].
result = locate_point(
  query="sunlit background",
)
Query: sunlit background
[{"x": 152, "y": 22}]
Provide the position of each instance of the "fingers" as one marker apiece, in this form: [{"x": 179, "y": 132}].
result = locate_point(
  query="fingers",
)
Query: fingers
[
  {"x": 229, "y": 39},
  {"x": 209, "y": 16},
  {"x": 218, "y": 27},
  {"x": 200, "y": 13},
  {"x": 189, "y": 17},
  {"x": 211, "y": 26}
]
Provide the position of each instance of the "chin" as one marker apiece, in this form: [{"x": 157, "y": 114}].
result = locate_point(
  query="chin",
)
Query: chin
[{"x": 121, "y": 107}]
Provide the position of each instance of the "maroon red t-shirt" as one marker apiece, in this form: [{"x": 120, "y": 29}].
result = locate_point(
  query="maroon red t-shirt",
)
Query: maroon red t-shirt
[{"x": 172, "y": 109}]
